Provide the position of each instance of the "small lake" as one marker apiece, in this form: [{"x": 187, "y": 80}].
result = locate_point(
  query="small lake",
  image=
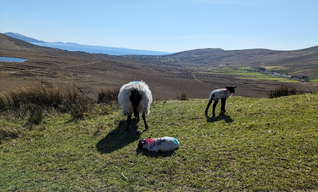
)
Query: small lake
[{"x": 11, "y": 59}]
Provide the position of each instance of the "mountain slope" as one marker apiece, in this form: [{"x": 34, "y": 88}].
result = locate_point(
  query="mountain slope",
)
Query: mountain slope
[
  {"x": 86, "y": 48},
  {"x": 302, "y": 62},
  {"x": 22, "y": 37},
  {"x": 93, "y": 72},
  {"x": 249, "y": 56}
]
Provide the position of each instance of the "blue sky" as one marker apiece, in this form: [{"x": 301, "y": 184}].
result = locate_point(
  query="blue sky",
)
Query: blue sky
[{"x": 166, "y": 25}]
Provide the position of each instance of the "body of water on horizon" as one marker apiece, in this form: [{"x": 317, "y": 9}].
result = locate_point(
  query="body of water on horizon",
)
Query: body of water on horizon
[{"x": 12, "y": 59}]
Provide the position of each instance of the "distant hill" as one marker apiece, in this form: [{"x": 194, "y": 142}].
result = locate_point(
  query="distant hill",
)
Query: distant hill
[
  {"x": 85, "y": 48},
  {"x": 22, "y": 37},
  {"x": 254, "y": 57},
  {"x": 303, "y": 62},
  {"x": 167, "y": 76}
]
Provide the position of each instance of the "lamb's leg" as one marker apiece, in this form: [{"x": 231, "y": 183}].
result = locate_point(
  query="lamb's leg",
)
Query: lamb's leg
[
  {"x": 223, "y": 102},
  {"x": 214, "y": 105},
  {"x": 128, "y": 122},
  {"x": 144, "y": 118},
  {"x": 207, "y": 107}
]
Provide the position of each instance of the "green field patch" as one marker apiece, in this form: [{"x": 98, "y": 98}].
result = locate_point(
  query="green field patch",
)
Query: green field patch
[
  {"x": 275, "y": 68},
  {"x": 271, "y": 78},
  {"x": 257, "y": 145},
  {"x": 245, "y": 74},
  {"x": 314, "y": 80}
]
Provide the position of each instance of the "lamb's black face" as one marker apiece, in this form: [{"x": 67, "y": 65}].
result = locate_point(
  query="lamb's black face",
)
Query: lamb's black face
[
  {"x": 231, "y": 89},
  {"x": 141, "y": 143}
]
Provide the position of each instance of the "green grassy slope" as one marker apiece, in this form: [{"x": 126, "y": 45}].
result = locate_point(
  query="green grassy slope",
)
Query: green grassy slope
[{"x": 258, "y": 144}]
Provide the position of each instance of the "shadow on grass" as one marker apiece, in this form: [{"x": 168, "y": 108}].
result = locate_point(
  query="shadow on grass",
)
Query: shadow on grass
[
  {"x": 221, "y": 116},
  {"x": 155, "y": 154},
  {"x": 119, "y": 138}
]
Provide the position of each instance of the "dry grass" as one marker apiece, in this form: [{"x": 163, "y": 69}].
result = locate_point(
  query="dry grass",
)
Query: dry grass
[
  {"x": 38, "y": 98},
  {"x": 282, "y": 90},
  {"x": 182, "y": 97},
  {"x": 108, "y": 95},
  {"x": 9, "y": 132}
]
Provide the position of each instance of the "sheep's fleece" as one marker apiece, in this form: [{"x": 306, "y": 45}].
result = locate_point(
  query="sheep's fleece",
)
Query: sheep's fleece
[
  {"x": 159, "y": 144},
  {"x": 125, "y": 92},
  {"x": 220, "y": 94}
]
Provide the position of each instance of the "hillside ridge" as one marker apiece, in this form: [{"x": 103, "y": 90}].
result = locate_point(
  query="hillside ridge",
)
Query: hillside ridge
[{"x": 167, "y": 76}]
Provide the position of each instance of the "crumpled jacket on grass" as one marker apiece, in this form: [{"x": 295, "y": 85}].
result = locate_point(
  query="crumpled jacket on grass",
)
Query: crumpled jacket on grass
[{"x": 159, "y": 144}]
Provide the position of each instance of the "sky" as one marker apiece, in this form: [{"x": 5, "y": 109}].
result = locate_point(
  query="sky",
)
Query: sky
[{"x": 166, "y": 25}]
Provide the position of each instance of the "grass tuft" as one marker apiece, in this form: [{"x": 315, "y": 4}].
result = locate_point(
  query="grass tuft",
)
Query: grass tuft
[
  {"x": 34, "y": 101},
  {"x": 9, "y": 132},
  {"x": 183, "y": 97},
  {"x": 282, "y": 90},
  {"x": 108, "y": 96},
  {"x": 36, "y": 115}
]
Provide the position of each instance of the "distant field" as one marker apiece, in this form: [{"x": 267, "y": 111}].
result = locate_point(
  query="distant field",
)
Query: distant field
[{"x": 244, "y": 74}]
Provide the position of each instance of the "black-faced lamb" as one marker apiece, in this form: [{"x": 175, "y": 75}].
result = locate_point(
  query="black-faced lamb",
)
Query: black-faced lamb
[
  {"x": 222, "y": 94},
  {"x": 135, "y": 97},
  {"x": 159, "y": 144}
]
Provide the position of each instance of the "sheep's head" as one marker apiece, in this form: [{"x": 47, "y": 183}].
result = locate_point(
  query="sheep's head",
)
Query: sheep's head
[
  {"x": 135, "y": 98},
  {"x": 231, "y": 89},
  {"x": 141, "y": 143}
]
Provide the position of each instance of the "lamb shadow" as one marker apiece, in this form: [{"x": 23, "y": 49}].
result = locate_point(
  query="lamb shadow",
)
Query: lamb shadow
[
  {"x": 221, "y": 116},
  {"x": 155, "y": 154},
  {"x": 119, "y": 138}
]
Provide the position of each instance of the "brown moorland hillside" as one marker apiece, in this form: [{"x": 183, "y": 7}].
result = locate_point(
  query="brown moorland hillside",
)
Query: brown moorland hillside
[
  {"x": 300, "y": 62},
  {"x": 92, "y": 72}
]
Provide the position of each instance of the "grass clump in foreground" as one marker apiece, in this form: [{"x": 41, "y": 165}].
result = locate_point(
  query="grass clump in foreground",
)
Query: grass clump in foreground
[
  {"x": 257, "y": 145},
  {"x": 38, "y": 98}
]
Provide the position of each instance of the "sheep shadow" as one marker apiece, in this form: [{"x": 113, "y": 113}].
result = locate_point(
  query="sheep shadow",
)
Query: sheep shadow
[
  {"x": 221, "y": 116},
  {"x": 119, "y": 138},
  {"x": 154, "y": 154}
]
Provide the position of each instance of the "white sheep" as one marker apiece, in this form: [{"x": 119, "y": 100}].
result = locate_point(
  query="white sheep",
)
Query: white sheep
[
  {"x": 217, "y": 94},
  {"x": 159, "y": 144},
  {"x": 135, "y": 97}
]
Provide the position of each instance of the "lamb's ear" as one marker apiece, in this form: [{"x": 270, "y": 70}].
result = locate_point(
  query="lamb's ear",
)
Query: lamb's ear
[
  {"x": 149, "y": 137},
  {"x": 234, "y": 87}
]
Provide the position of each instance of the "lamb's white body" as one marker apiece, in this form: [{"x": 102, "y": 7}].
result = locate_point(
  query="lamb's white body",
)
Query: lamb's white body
[
  {"x": 220, "y": 94},
  {"x": 125, "y": 92},
  {"x": 159, "y": 144}
]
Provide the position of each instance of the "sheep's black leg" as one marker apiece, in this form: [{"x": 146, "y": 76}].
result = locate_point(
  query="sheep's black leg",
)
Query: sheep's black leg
[
  {"x": 214, "y": 105},
  {"x": 207, "y": 107},
  {"x": 223, "y": 102},
  {"x": 144, "y": 118},
  {"x": 128, "y": 122},
  {"x": 136, "y": 114}
]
